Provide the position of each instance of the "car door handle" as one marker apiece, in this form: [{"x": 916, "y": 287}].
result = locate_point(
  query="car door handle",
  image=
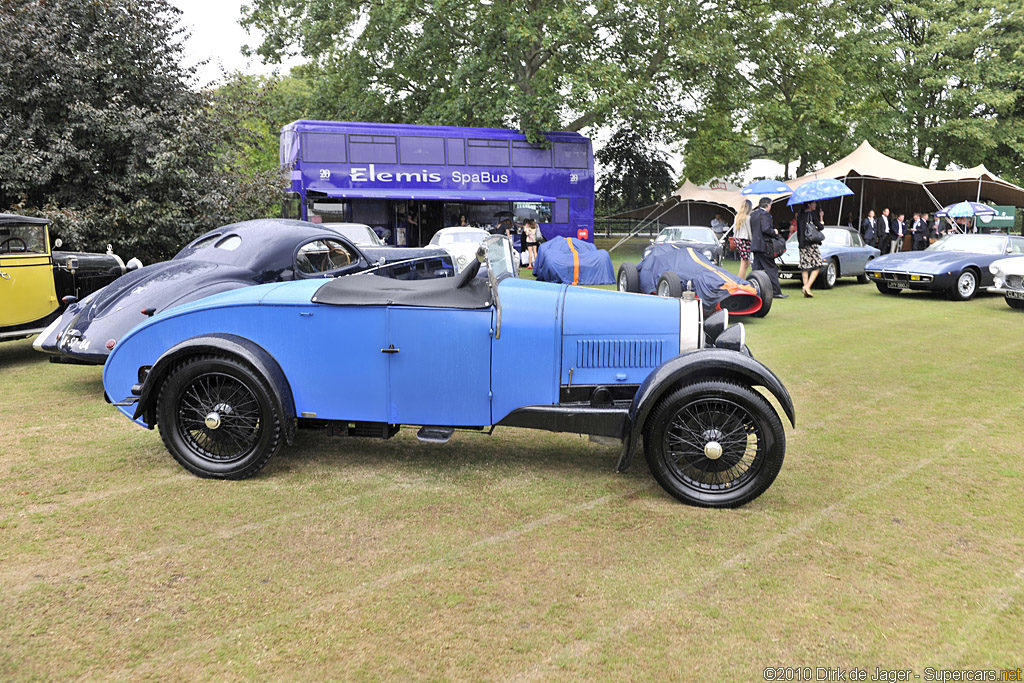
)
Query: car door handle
[{"x": 390, "y": 349}]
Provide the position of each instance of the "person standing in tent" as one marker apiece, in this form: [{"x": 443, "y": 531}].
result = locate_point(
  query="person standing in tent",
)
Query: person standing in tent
[
  {"x": 810, "y": 254},
  {"x": 869, "y": 229},
  {"x": 763, "y": 229},
  {"x": 885, "y": 231},
  {"x": 741, "y": 236}
]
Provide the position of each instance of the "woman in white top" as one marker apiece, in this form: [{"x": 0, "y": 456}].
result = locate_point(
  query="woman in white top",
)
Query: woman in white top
[{"x": 741, "y": 235}]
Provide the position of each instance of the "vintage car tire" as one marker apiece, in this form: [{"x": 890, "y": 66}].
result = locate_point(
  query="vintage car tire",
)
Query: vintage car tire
[
  {"x": 732, "y": 444},
  {"x": 863, "y": 279},
  {"x": 248, "y": 429},
  {"x": 965, "y": 287},
  {"x": 1014, "y": 303},
  {"x": 629, "y": 278},
  {"x": 828, "y": 276},
  {"x": 763, "y": 284},
  {"x": 884, "y": 289},
  {"x": 669, "y": 285}
]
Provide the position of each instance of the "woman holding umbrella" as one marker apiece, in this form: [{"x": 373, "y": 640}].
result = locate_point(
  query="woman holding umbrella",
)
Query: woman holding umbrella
[{"x": 810, "y": 255}]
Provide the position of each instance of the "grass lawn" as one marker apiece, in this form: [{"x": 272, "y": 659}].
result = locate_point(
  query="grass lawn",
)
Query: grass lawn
[{"x": 893, "y": 536}]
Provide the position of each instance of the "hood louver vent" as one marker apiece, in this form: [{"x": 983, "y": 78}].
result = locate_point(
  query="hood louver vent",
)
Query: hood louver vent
[{"x": 618, "y": 353}]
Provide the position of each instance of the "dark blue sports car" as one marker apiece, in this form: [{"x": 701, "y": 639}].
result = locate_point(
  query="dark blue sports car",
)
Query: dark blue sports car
[
  {"x": 956, "y": 264},
  {"x": 229, "y": 378},
  {"x": 227, "y": 258}
]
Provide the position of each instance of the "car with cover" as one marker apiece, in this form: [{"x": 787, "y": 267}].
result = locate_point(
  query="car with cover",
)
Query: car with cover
[
  {"x": 226, "y": 258},
  {"x": 957, "y": 265},
  {"x": 37, "y": 283},
  {"x": 703, "y": 240},
  {"x": 843, "y": 254},
  {"x": 669, "y": 269},
  {"x": 572, "y": 261},
  {"x": 228, "y": 379}
]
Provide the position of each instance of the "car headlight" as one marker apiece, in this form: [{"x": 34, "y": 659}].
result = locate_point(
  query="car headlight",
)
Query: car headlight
[
  {"x": 707, "y": 254},
  {"x": 997, "y": 281},
  {"x": 996, "y": 270},
  {"x": 462, "y": 260}
]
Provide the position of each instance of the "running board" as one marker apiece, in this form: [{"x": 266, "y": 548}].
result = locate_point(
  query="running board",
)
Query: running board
[{"x": 435, "y": 434}]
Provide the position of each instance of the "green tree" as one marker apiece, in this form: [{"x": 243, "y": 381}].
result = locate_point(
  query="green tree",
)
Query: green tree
[
  {"x": 634, "y": 172},
  {"x": 947, "y": 81},
  {"x": 534, "y": 65},
  {"x": 101, "y": 131}
]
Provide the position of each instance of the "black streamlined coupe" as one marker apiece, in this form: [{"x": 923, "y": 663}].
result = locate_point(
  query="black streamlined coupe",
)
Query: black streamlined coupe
[{"x": 230, "y": 257}]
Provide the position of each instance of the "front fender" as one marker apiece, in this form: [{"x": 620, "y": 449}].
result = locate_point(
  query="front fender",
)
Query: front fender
[
  {"x": 690, "y": 367},
  {"x": 219, "y": 344}
]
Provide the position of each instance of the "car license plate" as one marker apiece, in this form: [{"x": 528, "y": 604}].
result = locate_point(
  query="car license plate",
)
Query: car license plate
[
  {"x": 896, "y": 285},
  {"x": 1014, "y": 294},
  {"x": 786, "y": 276}
]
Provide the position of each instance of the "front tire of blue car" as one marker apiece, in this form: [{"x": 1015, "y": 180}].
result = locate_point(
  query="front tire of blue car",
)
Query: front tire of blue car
[
  {"x": 218, "y": 418},
  {"x": 714, "y": 444}
]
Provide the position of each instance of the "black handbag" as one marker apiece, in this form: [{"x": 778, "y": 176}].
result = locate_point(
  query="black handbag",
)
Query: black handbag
[
  {"x": 812, "y": 235},
  {"x": 776, "y": 246}
]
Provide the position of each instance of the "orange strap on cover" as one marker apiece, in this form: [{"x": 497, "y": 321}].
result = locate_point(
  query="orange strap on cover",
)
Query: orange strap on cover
[{"x": 575, "y": 262}]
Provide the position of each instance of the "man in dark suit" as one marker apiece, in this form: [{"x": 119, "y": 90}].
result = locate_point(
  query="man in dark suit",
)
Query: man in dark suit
[
  {"x": 869, "y": 228},
  {"x": 899, "y": 227},
  {"x": 884, "y": 231},
  {"x": 761, "y": 230},
  {"x": 918, "y": 232}
]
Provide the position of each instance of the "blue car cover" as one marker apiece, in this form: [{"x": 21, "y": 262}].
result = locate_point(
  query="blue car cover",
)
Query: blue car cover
[
  {"x": 712, "y": 284},
  {"x": 573, "y": 262}
]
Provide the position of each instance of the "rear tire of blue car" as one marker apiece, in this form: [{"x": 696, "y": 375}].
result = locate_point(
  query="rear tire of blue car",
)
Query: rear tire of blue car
[
  {"x": 760, "y": 281},
  {"x": 218, "y": 418},
  {"x": 629, "y": 278},
  {"x": 714, "y": 444}
]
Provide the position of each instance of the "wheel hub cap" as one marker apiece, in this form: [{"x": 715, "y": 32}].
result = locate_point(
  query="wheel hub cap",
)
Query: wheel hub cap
[
  {"x": 713, "y": 450},
  {"x": 212, "y": 420}
]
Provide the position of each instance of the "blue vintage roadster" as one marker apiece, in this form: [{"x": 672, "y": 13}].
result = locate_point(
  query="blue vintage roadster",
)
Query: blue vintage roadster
[{"x": 229, "y": 378}]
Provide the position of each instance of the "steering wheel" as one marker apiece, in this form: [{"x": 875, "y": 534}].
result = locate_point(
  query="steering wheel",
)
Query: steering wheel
[{"x": 6, "y": 242}]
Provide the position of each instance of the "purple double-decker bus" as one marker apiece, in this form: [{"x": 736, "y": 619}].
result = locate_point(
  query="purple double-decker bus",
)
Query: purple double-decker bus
[{"x": 408, "y": 182}]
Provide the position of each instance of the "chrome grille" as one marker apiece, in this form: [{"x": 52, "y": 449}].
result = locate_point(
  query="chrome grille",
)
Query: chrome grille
[
  {"x": 1015, "y": 281},
  {"x": 618, "y": 353}
]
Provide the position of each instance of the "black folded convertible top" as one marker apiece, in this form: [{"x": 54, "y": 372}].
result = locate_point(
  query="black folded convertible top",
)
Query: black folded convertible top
[{"x": 374, "y": 290}]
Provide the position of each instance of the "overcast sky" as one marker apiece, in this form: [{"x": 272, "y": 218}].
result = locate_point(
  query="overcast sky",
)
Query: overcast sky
[{"x": 216, "y": 36}]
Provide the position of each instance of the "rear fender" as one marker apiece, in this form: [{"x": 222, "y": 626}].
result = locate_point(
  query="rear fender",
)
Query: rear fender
[
  {"x": 698, "y": 365},
  {"x": 222, "y": 345}
]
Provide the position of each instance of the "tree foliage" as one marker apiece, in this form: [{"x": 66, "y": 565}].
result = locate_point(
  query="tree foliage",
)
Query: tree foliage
[
  {"x": 635, "y": 172},
  {"x": 101, "y": 131},
  {"x": 534, "y": 65}
]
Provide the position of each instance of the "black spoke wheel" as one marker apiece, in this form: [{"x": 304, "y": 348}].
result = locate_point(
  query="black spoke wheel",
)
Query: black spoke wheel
[
  {"x": 714, "y": 444},
  {"x": 217, "y": 417}
]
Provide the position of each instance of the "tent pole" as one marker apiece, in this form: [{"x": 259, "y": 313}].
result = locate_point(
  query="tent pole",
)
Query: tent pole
[
  {"x": 979, "y": 191},
  {"x": 839, "y": 216},
  {"x": 643, "y": 223},
  {"x": 860, "y": 215},
  {"x": 688, "y": 221}
]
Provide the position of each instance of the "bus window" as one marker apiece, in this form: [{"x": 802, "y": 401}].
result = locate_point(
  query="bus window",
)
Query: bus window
[
  {"x": 571, "y": 155},
  {"x": 291, "y": 206},
  {"x": 530, "y": 156},
  {"x": 538, "y": 211},
  {"x": 324, "y": 147},
  {"x": 487, "y": 152},
  {"x": 456, "y": 152},
  {"x": 428, "y": 151},
  {"x": 373, "y": 149}
]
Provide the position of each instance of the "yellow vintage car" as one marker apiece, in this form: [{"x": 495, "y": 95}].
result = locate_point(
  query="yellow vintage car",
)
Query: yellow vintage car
[{"x": 37, "y": 283}]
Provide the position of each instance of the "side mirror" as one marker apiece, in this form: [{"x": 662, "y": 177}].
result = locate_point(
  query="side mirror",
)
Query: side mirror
[{"x": 58, "y": 243}]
